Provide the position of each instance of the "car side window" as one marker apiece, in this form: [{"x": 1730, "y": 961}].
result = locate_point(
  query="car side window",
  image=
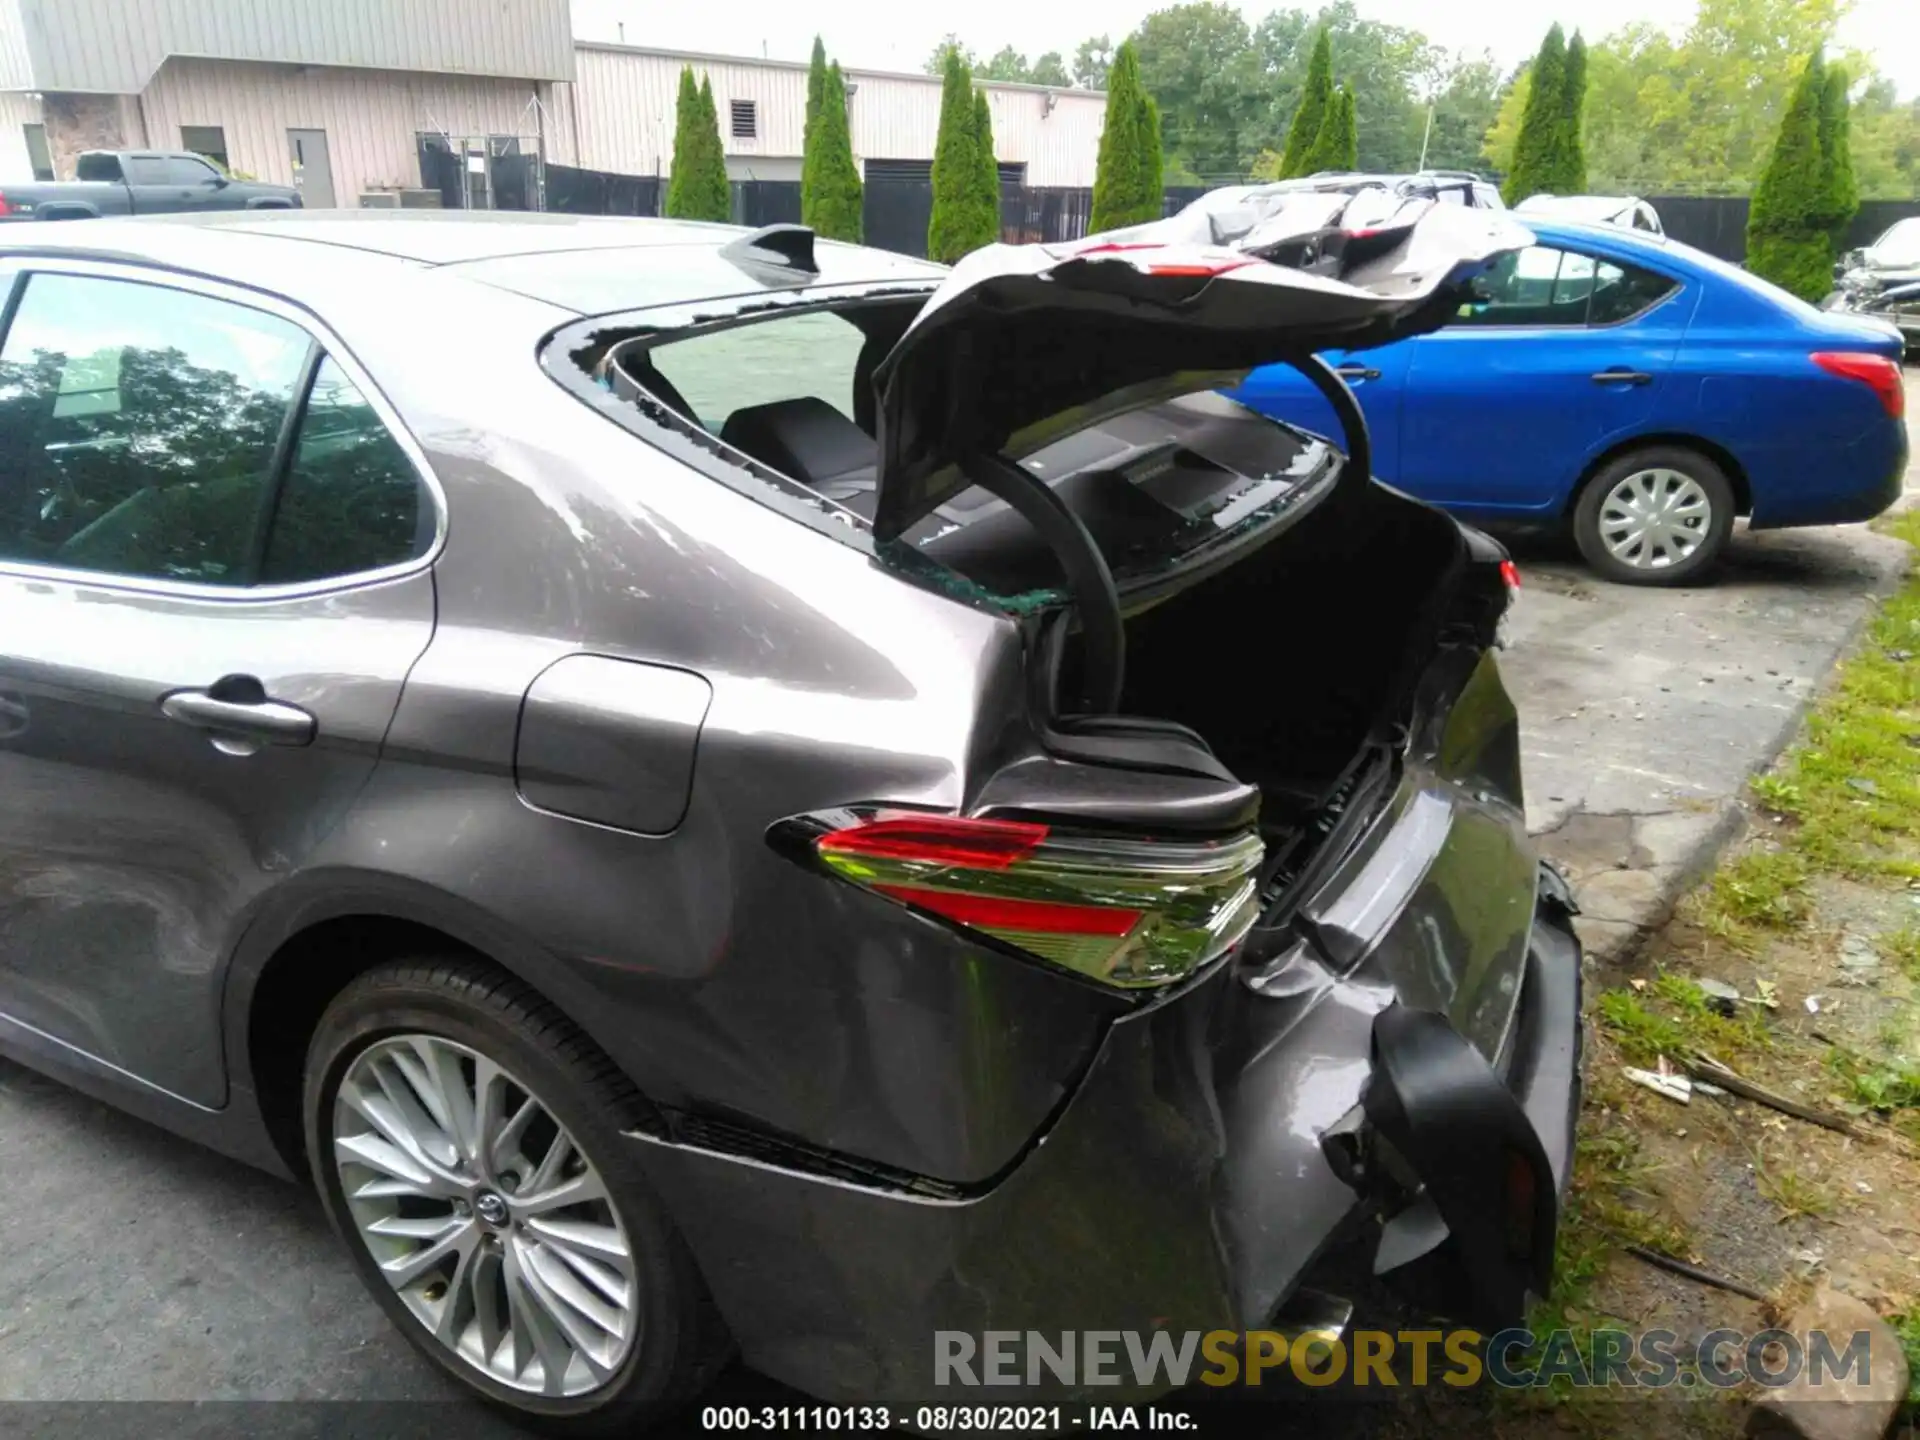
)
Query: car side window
[
  {"x": 1621, "y": 292},
  {"x": 146, "y": 170},
  {"x": 351, "y": 501},
  {"x": 784, "y": 359},
  {"x": 184, "y": 171},
  {"x": 1525, "y": 287},
  {"x": 138, "y": 427}
]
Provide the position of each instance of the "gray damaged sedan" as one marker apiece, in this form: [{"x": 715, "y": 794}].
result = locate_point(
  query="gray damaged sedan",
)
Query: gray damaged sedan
[{"x": 717, "y": 792}]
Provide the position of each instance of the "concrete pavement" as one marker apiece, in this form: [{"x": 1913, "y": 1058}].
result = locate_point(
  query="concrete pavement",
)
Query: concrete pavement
[
  {"x": 136, "y": 1267},
  {"x": 1644, "y": 711}
]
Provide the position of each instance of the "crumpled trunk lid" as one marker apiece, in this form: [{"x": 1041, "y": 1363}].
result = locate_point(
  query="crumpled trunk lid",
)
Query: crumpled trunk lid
[{"x": 1025, "y": 344}]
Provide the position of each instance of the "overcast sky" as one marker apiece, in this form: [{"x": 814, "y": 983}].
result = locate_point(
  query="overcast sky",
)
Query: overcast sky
[{"x": 899, "y": 37}]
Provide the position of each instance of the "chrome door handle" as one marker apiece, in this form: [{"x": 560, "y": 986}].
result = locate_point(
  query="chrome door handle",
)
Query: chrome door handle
[
  {"x": 1356, "y": 372},
  {"x": 240, "y": 727},
  {"x": 1621, "y": 377}
]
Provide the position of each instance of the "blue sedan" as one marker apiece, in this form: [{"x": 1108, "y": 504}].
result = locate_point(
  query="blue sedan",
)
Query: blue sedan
[{"x": 1636, "y": 389}]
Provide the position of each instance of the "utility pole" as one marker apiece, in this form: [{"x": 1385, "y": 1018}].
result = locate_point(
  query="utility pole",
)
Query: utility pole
[{"x": 1427, "y": 136}]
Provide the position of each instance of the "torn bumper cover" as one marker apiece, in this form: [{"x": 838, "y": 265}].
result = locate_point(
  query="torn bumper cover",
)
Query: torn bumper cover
[
  {"x": 1467, "y": 1166},
  {"x": 1159, "y": 1201}
]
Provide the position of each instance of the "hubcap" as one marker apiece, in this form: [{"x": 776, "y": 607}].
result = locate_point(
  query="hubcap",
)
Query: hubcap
[
  {"x": 493, "y": 1228},
  {"x": 1655, "y": 519}
]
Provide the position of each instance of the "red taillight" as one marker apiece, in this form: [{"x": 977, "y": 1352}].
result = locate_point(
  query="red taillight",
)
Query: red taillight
[
  {"x": 1130, "y": 912},
  {"x": 1878, "y": 373},
  {"x": 5, "y": 208},
  {"x": 1510, "y": 573},
  {"x": 1044, "y": 917},
  {"x": 938, "y": 840}
]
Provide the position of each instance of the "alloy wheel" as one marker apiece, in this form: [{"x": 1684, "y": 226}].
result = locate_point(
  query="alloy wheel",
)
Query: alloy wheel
[
  {"x": 1655, "y": 519},
  {"x": 492, "y": 1226}
]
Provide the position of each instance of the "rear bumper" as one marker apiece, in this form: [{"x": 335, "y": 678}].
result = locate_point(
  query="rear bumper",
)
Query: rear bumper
[
  {"x": 1833, "y": 485},
  {"x": 1165, "y": 1196}
]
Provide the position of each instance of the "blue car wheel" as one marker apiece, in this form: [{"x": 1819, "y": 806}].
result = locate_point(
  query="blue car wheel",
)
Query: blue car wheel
[{"x": 1656, "y": 516}]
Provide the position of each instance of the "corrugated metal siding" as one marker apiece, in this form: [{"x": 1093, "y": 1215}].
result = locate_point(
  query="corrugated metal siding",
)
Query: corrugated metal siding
[
  {"x": 624, "y": 101},
  {"x": 116, "y": 46},
  {"x": 371, "y": 117},
  {"x": 16, "y": 67},
  {"x": 16, "y": 111}
]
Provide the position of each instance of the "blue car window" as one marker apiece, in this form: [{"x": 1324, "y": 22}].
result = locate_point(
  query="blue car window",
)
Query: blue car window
[
  {"x": 1621, "y": 292},
  {"x": 1527, "y": 288}
]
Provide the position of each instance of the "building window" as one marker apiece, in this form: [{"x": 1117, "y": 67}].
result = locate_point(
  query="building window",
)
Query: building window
[
  {"x": 745, "y": 121},
  {"x": 206, "y": 140},
  {"x": 37, "y": 153}
]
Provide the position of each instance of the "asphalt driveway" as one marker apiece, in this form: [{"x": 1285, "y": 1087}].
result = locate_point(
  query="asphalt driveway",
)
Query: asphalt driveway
[{"x": 134, "y": 1266}]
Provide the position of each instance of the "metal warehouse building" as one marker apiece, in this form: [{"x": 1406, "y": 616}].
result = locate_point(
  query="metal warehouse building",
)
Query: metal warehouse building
[{"x": 348, "y": 97}]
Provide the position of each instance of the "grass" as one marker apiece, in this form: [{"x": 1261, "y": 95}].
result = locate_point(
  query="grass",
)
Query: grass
[
  {"x": 1673, "y": 1018},
  {"x": 1902, "y": 946},
  {"x": 1848, "y": 798},
  {"x": 1793, "y": 1193},
  {"x": 1887, "y": 1084},
  {"x": 1906, "y": 1326},
  {"x": 1851, "y": 792}
]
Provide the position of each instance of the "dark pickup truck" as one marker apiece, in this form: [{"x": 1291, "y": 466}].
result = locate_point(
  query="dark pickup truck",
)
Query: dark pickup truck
[{"x": 139, "y": 182}]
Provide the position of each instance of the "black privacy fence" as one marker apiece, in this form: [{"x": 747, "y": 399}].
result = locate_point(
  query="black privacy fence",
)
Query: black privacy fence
[{"x": 897, "y": 209}]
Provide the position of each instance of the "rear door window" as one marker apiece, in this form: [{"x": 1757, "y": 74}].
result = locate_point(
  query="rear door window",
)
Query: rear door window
[
  {"x": 141, "y": 427},
  {"x": 138, "y": 427},
  {"x": 351, "y": 501},
  {"x": 1621, "y": 292},
  {"x": 1543, "y": 286}
]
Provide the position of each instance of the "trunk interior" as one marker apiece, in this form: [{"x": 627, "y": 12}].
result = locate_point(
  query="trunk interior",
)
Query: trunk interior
[{"x": 1289, "y": 662}]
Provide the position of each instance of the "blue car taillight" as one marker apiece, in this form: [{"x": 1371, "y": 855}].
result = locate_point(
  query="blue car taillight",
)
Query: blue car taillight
[{"x": 1128, "y": 912}]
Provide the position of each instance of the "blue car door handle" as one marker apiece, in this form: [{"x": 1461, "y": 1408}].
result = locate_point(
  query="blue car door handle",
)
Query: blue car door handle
[
  {"x": 1356, "y": 372},
  {"x": 1622, "y": 377}
]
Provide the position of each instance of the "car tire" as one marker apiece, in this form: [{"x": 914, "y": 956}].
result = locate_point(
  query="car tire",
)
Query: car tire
[
  {"x": 658, "y": 1339},
  {"x": 1686, "y": 494}
]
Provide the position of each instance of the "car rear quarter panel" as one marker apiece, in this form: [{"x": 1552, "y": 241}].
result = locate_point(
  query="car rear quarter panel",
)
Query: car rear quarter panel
[
  {"x": 1813, "y": 448},
  {"x": 722, "y": 977}
]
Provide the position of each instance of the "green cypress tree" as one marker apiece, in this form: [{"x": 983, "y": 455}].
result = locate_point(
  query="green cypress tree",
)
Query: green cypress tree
[
  {"x": 831, "y": 200},
  {"x": 1788, "y": 241},
  {"x": 816, "y": 87},
  {"x": 1337, "y": 145},
  {"x": 987, "y": 195},
  {"x": 1310, "y": 116},
  {"x": 697, "y": 189},
  {"x": 956, "y": 169},
  {"x": 1836, "y": 150},
  {"x": 1150, "y": 181},
  {"x": 1569, "y": 175},
  {"x": 1127, "y": 174},
  {"x": 1533, "y": 149}
]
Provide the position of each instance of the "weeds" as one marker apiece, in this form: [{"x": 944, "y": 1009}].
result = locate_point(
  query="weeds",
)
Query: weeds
[
  {"x": 1788, "y": 1189},
  {"x": 1645, "y": 1033}
]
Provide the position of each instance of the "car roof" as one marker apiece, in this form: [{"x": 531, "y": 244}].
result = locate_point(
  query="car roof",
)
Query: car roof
[{"x": 588, "y": 264}]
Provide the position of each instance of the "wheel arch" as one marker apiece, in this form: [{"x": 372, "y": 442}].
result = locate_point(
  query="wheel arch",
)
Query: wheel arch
[
  {"x": 320, "y": 934},
  {"x": 1680, "y": 440}
]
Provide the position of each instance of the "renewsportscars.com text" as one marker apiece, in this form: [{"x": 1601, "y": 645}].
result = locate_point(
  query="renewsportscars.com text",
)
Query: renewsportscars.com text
[{"x": 1513, "y": 1359}]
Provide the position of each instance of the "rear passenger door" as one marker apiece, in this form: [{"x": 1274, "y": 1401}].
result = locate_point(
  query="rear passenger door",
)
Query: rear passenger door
[
  {"x": 1567, "y": 354},
  {"x": 214, "y": 549}
]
